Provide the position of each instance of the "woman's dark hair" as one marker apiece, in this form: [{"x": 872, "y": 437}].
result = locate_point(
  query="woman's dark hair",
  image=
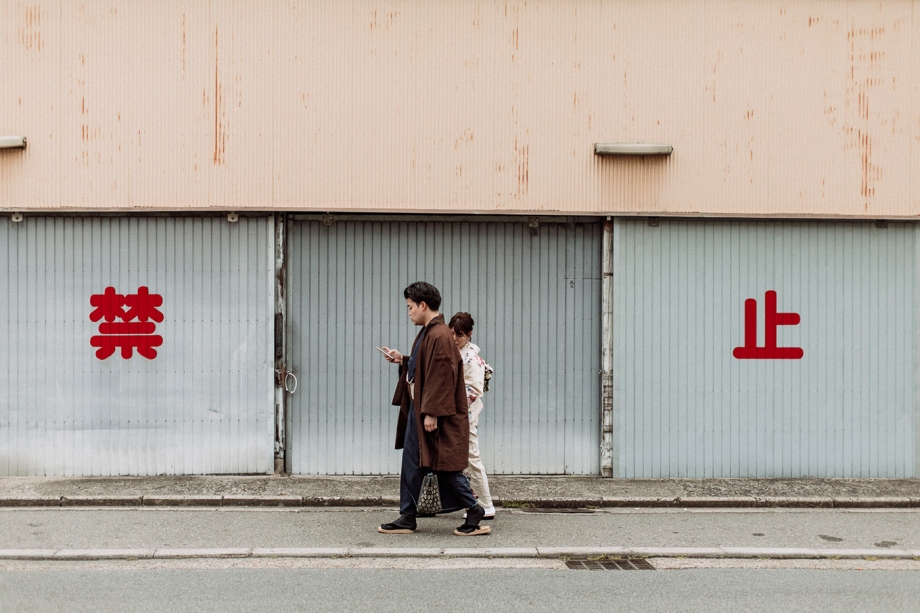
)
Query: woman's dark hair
[
  {"x": 421, "y": 291},
  {"x": 461, "y": 323}
]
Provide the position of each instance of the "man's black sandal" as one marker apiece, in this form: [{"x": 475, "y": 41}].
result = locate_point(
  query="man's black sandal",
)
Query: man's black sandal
[
  {"x": 404, "y": 525},
  {"x": 471, "y": 526}
]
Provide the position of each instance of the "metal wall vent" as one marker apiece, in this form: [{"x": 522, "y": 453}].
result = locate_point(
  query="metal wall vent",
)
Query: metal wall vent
[{"x": 620, "y": 564}]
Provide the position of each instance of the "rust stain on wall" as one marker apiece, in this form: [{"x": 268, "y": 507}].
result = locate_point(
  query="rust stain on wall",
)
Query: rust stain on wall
[
  {"x": 184, "y": 43},
  {"x": 870, "y": 172},
  {"x": 30, "y": 35},
  {"x": 523, "y": 168},
  {"x": 867, "y": 67},
  {"x": 220, "y": 134}
]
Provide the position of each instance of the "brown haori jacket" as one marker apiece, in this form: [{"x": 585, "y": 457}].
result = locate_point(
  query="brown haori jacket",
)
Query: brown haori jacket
[{"x": 440, "y": 392}]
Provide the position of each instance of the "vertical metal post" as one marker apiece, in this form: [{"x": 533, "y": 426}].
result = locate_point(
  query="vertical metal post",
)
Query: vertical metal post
[
  {"x": 280, "y": 369},
  {"x": 607, "y": 352}
]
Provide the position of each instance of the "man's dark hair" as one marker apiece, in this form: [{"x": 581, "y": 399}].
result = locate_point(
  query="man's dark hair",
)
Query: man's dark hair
[
  {"x": 461, "y": 323},
  {"x": 421, "y": 291}
]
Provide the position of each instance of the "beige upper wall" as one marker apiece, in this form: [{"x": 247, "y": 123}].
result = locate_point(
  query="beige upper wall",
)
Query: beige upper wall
[{"x": 797, "y": 108}]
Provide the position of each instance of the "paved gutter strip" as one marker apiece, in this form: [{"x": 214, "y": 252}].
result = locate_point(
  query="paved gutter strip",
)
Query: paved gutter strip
[
  {"x": 262, "y": 501},
  {"x": 774, "y": 553},
  {"x": 893, "y": 502},
  {"x": 27, "y": 554},
  {"x": 677, "y": 552},
  {"x": 549, "y": 503},
  {"x": 887, "y": 502},
  {"x": 395, "y": 552},
  {"x": 177, "y": 554},
  {"x": 103, "y": 554},
  {"x": 182, "y": 501},
  {"x": 491, "y": 552},
  {"x": 794, "y": 502},
  {"x": 714, "y": 501},
  {"x": 300, "y": 552},
  {"x": 632, "y": 501},
  {"x": 583, "y": 552},
  {"x": 101, "y": 501},
  {"x": 22, "y": 501},
  {"x": 340, "y": 501}
]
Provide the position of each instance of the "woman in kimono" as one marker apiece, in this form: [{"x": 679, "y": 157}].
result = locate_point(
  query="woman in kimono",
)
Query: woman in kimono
[{"x": 474, "y": 369}]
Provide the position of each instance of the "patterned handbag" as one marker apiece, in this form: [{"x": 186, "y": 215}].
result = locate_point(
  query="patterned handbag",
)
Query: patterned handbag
[{"x": 429, "y": 500}]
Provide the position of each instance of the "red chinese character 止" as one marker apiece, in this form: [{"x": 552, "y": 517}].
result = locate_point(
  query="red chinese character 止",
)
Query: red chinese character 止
[
  {"x": 127, "y": 334},
  {"x": 769, "y": 351}
]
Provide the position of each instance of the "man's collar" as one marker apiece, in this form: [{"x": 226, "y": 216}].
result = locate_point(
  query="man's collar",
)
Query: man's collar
[{"x": 437, "y": 318}]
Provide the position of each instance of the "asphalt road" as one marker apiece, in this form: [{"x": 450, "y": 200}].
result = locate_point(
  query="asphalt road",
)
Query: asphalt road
[
  {"x": 247, "y": 527},
  {"x": 506, "y": 590}
]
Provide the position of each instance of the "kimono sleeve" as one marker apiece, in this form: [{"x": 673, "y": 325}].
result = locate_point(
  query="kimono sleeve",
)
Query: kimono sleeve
[
  {"x": 442, "y": 369},
  {"x": 474, "y": 375}
]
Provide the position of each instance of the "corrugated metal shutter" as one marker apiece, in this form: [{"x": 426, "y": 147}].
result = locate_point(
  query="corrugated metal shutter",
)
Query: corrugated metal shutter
[
  {"x": 535, "y": 296},
  {"x": 685, "y": 406},
  {"x": 204, "y": 404}
]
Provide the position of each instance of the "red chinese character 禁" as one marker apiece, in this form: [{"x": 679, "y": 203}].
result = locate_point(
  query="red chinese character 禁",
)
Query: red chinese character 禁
[{"x": 127, "y": 334}]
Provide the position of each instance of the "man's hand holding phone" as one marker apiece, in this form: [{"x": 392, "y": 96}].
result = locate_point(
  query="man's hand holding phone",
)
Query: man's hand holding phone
[{"x": 393, "y": 356}]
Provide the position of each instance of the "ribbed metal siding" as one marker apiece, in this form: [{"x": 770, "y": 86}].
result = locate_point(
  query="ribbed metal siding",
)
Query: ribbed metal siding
[
  {"x": 535, "y": 296},
  {"x": 203, "y": 405},
  {"x": 685, "y": 407}
]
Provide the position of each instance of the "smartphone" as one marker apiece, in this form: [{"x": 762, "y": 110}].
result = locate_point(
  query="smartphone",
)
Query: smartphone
[{"x": 386, "y": 353}]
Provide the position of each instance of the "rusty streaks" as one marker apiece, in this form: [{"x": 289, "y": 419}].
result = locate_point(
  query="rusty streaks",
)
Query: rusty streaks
[
  {"x": 523, "y": 168},
  {"x": 465, "y": 136},
  {"x": 220, "y": 136},
  {"x": 390, "y": 18},
  {"x": 184, "y": 40},
  {"x": 867, "y": 61},
  {"x": 871, "y": 173},
  {"x": 30, "y": 35}
]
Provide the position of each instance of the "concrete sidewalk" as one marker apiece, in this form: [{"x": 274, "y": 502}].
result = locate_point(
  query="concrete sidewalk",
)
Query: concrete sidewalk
[{"x": 509, "y": 492}]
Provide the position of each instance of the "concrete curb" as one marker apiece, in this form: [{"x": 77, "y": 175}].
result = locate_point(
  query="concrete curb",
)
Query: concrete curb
[
  {"x": 887, "y": 502},
  {"x": 773, "y": 553}
]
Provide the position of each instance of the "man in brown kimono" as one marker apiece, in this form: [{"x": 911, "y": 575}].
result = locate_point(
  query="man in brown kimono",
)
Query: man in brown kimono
[{"x": 433, "y": 428}]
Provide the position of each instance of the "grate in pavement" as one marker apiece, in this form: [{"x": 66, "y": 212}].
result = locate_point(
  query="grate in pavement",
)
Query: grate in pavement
[
  {"x": 545, "y": 510},
  {"x": 616, "y": 564}
]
